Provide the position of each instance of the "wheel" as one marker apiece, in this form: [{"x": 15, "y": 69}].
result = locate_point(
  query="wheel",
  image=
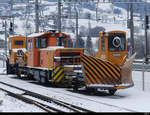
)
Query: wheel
[
  {"x": 91, "y": 90},
  {"x": 75, "y": 84},
  {"x": 75, "y": 88},
  {"x": 43, "y": 80},
  {"x": 19, "y": 74},
  {"x": 112, "y": 91},
  {"x": 8, "y": 69},
  {"x": 30, "y": 77}
]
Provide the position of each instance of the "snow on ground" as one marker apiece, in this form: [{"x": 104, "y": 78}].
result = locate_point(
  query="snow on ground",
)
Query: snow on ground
[
  {"x": 133, "y": 98},
  {"x": 9, "y": 104}
]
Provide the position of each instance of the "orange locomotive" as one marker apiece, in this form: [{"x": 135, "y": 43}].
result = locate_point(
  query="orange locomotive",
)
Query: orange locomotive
[
  {"x": 49, "y": 59},
  {"x": 15, "y": 44},
  {"x": 109, "y": 68}
]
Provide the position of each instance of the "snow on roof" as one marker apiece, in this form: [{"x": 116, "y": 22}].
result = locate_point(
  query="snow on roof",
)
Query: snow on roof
[
  {"x": 36, "y": 34},
  {"x": 11, "y": 36},
  {"x": 109, "y": 30}
]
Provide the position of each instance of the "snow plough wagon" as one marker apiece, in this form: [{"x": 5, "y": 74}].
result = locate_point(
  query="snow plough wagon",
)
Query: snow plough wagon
[{"x": 47, "y": 58}]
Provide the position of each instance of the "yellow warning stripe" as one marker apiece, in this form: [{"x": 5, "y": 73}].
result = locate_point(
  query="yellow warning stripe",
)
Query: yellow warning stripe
[
  {"x": 113, "y": 67},
  {"x": 57, "y": 74},
  {"x": 109, "y": 67},
  {"x": 88, "y": 81},
  {"x": 53, "y": 71},
  {"x": 92, "y": 71},
  {"x": 105, "y": 71},
  {"x": 103, "y": 80},
  {"x": 60, "y": 77},
  {"x": 89, "y": 76},
  {"x": 94, "y": 68}
]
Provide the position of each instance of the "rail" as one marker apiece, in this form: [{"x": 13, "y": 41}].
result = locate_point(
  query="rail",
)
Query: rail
[{"x": 67, "y": 106}]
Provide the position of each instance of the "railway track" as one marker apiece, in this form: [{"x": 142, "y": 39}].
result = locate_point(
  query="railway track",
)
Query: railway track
[
  {"x": 46, "y": 103},
  {"x": 99, "y": 102},
  {"x": 84, "y": 98},
  {"x": 103, "y": 103}
]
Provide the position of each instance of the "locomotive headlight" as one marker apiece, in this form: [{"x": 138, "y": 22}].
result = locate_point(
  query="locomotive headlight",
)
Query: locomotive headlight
[
  {"x": 116, "y": 41},
  {"x": 57, "y": 59}
]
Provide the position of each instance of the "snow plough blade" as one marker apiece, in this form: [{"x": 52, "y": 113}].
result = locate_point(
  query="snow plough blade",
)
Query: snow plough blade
[
  {"x": 126, "y": 72},
  {"x": 103, "y": 74}
]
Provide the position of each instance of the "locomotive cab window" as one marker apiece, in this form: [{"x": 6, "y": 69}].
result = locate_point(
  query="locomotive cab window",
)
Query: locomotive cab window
[
  {"x": 18, "y": 42},
  {"x": 40, "y": 43},
  {"x": 10, "y": 46},
  {"x": 102, "y": 43},
  {"x": 61, "y": 41},
  {"x": 116, "y": 42},
  {"x": 43, "y": 42},
  {"x": 64, "y": 42},
  {"x": 30, "y": 44}
]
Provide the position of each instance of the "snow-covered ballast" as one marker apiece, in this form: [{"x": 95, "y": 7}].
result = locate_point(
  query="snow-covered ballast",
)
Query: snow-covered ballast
[{"x": 106, "y": 75}]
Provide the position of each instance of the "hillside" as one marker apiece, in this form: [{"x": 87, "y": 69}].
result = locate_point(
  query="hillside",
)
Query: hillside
[{"x": 109, "y": 17}]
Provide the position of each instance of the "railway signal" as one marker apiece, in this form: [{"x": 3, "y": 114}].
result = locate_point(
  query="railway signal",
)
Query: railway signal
[{"x": 147, "y": 22}]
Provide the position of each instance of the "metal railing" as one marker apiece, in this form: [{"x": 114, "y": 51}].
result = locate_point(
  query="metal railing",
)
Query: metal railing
[{"x": 143, "y": 67}]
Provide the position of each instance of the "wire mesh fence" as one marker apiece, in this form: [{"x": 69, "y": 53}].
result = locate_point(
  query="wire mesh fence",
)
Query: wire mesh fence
[{"x": 141, "y": 82}]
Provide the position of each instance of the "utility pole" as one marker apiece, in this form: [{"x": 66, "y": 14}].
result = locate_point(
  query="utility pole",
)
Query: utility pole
[
  {"x": 59, "y": 16},
  {"x": 97, "y": 11},
  {"x": 5, "y": 37},
  {"x": 146, "y": 39},
  {"x": 12, "y": 21},
  {"x": 37, "y": 16},
  {"x": 89, "y": 25},
  {"x": 76, "y": 24},
  {"x": 131, "y": 28}
]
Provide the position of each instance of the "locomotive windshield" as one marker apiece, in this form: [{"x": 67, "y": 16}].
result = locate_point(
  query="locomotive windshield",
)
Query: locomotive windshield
[
  {"x": 40, "y": 43},
  {"x": 61, "y": 41},
  {"x": 116, "y": 42},
  {"x": 18, "y": 42}
]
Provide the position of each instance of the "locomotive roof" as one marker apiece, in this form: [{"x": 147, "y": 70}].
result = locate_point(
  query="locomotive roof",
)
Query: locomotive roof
[
  {"x": 107, "y": 31},
  {"x": 42, "y": 33},
  {"x": 17, "y": 36},
  {"x": 36, "y": 34}
]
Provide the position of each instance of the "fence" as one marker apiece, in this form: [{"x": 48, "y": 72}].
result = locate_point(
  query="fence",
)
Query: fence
[{"x": 141, "y": 75}]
